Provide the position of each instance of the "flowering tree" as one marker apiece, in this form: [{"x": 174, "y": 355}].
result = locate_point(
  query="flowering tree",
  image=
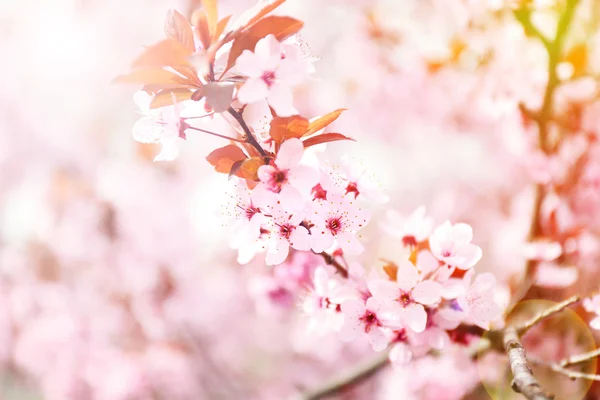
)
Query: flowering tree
[{"x": 288, "y": 201}]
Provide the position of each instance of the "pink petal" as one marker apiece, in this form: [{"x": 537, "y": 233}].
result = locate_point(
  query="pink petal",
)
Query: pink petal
[
  {"x": 291, "y": 72},
  {"x": 407, "y": 275},
  {"x": 383, "y": 289},
  {"x": 265, "y": 172},
  {"x": 268, "y": 51},
  {"x": 427, "y": 292},
  {"x": 400, "y": 355},
  {"x": 303, "y": 177},
  {"x": 377, "y": 339},
  {"x": 471, "y": 255},
  {"x": 280, "y": 98},
  {"x": 146, "y": 130},
  {"x": 277, "y": 252},
  {"x": 290, "y": 153},
  {"x": 169, "y": 150},
  {"x": 349, "y": 243},
  {"x": 292, "y": 202},
  {"x": 462, "y": 233},
  {"x": 426, "y": 262},
  {"x": 300, "y": 239},
  {"x": 249, "y": 64},
  {"x": 353, "y": 309},
  {"x": 253, "y": 90},
  {"x": 595, "y": 323},
  {"x": 320, "y": 240},
  {"x": 415, "y": 317},
  {"x": 321, "y": 280}
]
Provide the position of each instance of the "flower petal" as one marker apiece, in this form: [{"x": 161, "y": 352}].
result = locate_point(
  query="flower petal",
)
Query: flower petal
[
  {"x": 407, "y": 275},
  {"x": 349, "y": 243},
  {"x": 290, "y": 153},
  {"x": 253, "y": 90},
  {"x": 300, "y": 239},
  {"x": 280, "y": 98},
  {"x": 427, "y": 292},
  {"x": 415, "y": 317}
]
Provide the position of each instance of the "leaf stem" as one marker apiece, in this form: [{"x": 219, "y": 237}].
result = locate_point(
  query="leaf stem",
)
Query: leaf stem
[{"x": 249, "y": 136}]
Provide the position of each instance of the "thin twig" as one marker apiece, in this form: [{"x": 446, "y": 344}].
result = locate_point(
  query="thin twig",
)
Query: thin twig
[
  {"x": 521, "y": 329},
  {"x": 249, "y": 136},
  {"x": 564, "y": 371},
  {"x": 580, "y": 358},
  {"x": 353, "y": 377},
  {"x": 524, "y": 382},
  {"x": 217, "y": 134},
  {"x": 330, "y": 260}
]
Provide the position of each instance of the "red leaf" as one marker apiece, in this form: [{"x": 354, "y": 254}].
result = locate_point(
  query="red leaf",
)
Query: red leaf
[
  {"x": 166, "y": 53},
  {"x": 321, "y": 122},
  {"x": 225, "y": 157},
  {"x": 212, "y": 17},
  {"x": 249, "y": 168},
  {"x": 283, "y": 128},
  {"x": 201, "y": 25},
  {"x": 170, "y": 97},
  {"x": 257, "y": 12},
  {"x": 178, "y": 28},
  {"x": 155, "y": 76},
  {"x": 221, "y": 27},
  {"x": 279, "y": 26},
  {"x": 324, "y": 138}
]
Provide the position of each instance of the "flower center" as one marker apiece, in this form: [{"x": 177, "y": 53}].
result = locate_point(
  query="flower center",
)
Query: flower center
[
  {"x": 319, "y": 193},
  {"x": 405, "y": 298},
  {"x": 352, "y": 188},
  {"x": 334, "y": 225},
  {"x": 447, "y": 253},
  {"x": 369, "y": 320},
  {"x": 278, "y": 179},
  {"x": 409, "y": 241},
  {"x": 268, "y": 77},
  {"x": 286, "y": 230},
  {"x": 251, "y": 211}
]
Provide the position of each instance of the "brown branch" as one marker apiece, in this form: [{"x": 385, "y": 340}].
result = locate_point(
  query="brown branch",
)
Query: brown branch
[
  {"x": 330, "y": 260},
  {"x": 217, "y": 134},
  {"x": 523, "y": 328},
  {"x": 564, "y": 371},
  {"x": 249, "y": 136},
  {"x": 351, "y": 378},
  {"x": 524, "y": 382},
  {"x": 580, "y": 358}
]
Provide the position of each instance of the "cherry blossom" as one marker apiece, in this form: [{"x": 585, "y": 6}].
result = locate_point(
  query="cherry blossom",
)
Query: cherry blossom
[
  {"x": 323, "y": 303},
  {"x": 366, "y": 320},
  {"x": 337, "y": 219},
  {"x": 286, "y": 170},
  {"x": 452, "y": 245},
  {"x": 412, "y": 229},
  {"x": 407, "y": 296},
  {"x": 593, "y": 305},
  {"x": 272, "y": 69}
]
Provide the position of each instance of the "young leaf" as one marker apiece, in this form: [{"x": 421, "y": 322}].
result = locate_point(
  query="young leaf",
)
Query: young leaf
[
  {"x": 249, "y": 168},
  {"x": 257, "y": 12},
  {"x": 202, "y": 28},
  {"x": 155, "y": 76},
  {"x": 321, "y": 122},
  {"x": 221, "y": 27},
  {"x": 166, "y": 53},
  {"x": 279, "y": 26},
  {"x": 212, "y": 18},
  {"x": 169, "y": 97},
  {"x": 225, "y": 157},
  {"x": 178, "y": 28},
  {"x": 324, "y": 138},
  {"x": 283, "y": 128}
]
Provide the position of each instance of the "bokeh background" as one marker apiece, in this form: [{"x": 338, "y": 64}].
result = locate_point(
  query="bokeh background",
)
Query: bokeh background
[{"x": 116, "y": 277}]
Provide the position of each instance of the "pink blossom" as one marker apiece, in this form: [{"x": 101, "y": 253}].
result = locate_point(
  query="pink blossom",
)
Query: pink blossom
[
  {"x": 452, "y": 245},
  {"x": 163, "y": 125},
  {"x": 323, "y": 302},
  {"x": 366, "y": 320},
  {"x": 337, "y": 218},
  {"x": 412, "y": 229},
  {"x": 593, "y": 305},
  {"x": 287, "y": 170},
  {"x": 542, "y": 250},
  {"x": 272, "y": 69},
  {"x": 407, "y": 295}
]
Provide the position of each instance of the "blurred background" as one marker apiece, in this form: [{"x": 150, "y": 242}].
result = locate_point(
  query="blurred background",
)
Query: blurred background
[{"x": 116, "y": 278}]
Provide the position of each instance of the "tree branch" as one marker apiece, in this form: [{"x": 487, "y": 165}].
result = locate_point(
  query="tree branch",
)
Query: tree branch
[
  {"x": 524, "y": 382},
  {"x": 249, "y": 136},
  {"x": 330, "y": 260},
  {"x": 564, "y": 371},
  {"x": 217, "y": 134},
  {"x": 580, "y": 358},
  {"x": 547, "y": 313},
  {"x": 353, "y": 377}
]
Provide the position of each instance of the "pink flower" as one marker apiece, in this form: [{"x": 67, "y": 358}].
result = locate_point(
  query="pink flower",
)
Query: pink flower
[
  {"x": 352, "y": 178},
  {"x": 542, "y": 250},
  {"x": 366, "y": 320},
  {"x": 163, "y": 125},
  {"x": 337, "y": 218},
  {"x": 407, "y": 295},
  {"x": 323, "y": 303},
  {"x": 452, "y": 245},
  {"x": 412, "y": 229},
  {"x": 246, "y": 213},
  {"x": 593, "y": 305},
  {"x": 285, "y": 229},
  {"x": 271, "y": 70},
  {"x": 286, "y": 170}
]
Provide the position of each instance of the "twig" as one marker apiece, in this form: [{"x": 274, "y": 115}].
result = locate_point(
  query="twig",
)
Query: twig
[
  {"x": 564, "y": 371},
  {"x": 521, "y": 329},
  {"x": 249, "y": 136},
  {"x": 330, "y": 260},
  {"x": 353, "y": 377},
  {"x": 580, "y": 358},
  {"x": 217, "y": 134},
  {"x": 524, "y": 382}
]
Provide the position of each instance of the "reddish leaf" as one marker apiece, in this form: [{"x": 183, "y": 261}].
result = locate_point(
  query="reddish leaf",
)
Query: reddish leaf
[
  {"x": 257, "y": 12},
  {"x": 178, "y": 28},
  {"x": 288, "y": 127},
  {"x": 224, "y": 158},
  {"x": 322, "y": 122},
  {"x": 249, "y": 168},
  {"x": 154, "y": 76},
  {"x": 221, "y": 27},
  {"x": 324, "y": 138},
  {"x": 212, "y": 18},
  {"x": 201, "y": 25},
  {"x": 170, "y": 97},
  {"x": 279, "y": 26},
  {"x": 167, "y": 52}
]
